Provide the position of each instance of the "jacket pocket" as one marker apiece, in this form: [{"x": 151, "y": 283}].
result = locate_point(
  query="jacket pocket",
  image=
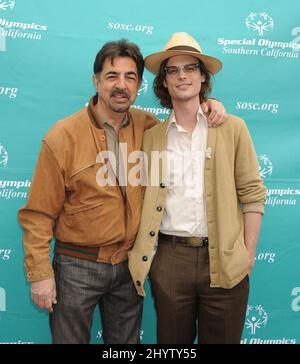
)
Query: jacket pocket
[
  {"x": 83, "y": 193},
  {"x": 235, "y": 261},
  {"x": 85, "y": 210},
  {"x": 83, "y": 181},
  {"x": 76, "y": 174}
]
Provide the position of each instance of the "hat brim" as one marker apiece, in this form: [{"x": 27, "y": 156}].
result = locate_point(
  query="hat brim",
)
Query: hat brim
[{"x": 153, "y": 61}]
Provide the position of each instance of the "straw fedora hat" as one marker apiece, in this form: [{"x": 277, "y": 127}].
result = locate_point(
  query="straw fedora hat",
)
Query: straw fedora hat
[{"x": 181, "y": 44}]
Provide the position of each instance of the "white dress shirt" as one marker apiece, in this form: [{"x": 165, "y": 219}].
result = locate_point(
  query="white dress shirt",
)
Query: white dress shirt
[{"x": 185, "y": 211}]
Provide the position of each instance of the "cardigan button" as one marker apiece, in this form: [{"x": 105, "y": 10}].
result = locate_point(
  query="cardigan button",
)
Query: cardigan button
[
  {"x": 145, "y": 258},
  {"x": 152, "y": 233},
  {"x": 138, "y": 283},
  {"x": 162, "y": 185},
  {"x": 159, "y": 208}
]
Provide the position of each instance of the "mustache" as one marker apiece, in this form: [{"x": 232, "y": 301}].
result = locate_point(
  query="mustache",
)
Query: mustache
[{"x": 118, "y": 92}]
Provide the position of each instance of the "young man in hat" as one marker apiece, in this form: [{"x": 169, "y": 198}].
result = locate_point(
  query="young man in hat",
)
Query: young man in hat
[
  {"x": 202, "y": 207},
  {"x": 94, "y": 224}
]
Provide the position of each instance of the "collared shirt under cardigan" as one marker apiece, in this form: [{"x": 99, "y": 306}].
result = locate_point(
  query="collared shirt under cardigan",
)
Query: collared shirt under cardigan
[
  {"x": 232, "y": 187},
  {"x": 185, "y": 213}
]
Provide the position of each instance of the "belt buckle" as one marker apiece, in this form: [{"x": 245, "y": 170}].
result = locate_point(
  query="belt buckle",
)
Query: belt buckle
[{"x": 195, "y": 241}]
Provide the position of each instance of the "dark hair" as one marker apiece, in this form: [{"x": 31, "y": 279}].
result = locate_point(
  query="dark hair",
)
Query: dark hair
[
  {"x": 162, "y": 93},
  {"x": 121, "y": 48}
]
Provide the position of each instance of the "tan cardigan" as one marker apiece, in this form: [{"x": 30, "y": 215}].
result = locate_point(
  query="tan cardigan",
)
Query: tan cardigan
[
  {"x": 232, "y": 187},
  {"x": 65, "y": 200}
]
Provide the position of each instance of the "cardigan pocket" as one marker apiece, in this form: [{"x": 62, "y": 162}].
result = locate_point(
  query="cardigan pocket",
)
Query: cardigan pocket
[{"x": 235, "y": 261}]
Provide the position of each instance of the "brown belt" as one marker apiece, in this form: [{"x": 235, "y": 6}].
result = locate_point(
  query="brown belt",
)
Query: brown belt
[{"x": 193, "y": 241}]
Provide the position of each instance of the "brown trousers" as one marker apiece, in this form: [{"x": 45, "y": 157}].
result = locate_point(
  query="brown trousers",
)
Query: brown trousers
[{"x": 184, "y": 300}]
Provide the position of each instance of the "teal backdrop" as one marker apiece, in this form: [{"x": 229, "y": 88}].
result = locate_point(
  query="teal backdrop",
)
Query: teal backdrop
[{"x": 47, "y": 50}]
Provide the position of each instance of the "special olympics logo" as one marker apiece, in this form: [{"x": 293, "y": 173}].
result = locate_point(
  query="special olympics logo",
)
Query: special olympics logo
[
  {"x": 256, "y": 317},
  {"x": 265, "y": 166},
  {"x": 5, "y": 5},
  {"x": 259, "y": 22},
  {"x": 144, "y": 87},
  {"x": 3, "y": 156}
]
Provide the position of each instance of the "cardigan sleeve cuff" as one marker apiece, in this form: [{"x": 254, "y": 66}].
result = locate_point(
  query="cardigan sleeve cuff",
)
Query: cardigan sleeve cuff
[{"x": 253, "y": 207}]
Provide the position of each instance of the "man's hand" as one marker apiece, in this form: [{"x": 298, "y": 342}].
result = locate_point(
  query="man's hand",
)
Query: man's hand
[
  {"x": 216, "y": 112},
  {"x": 43, "y": 293}
]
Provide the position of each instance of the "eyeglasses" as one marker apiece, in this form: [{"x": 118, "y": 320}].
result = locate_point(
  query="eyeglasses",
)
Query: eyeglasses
[{"x": 187, "y": 68}]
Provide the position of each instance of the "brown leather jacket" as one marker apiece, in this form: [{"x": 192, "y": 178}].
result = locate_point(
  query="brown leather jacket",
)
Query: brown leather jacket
[{"x": 66, "y": 201}]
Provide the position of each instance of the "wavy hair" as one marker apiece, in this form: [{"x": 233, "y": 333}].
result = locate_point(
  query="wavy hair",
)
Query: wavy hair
[{"x": 121, "y": 48}]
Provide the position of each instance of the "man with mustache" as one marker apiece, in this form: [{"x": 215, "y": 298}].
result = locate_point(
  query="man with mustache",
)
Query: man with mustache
[{"x": 94, "y": 225}]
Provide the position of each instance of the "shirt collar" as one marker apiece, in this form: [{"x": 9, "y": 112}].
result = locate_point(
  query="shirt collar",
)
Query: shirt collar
[
  {"x": 124, "y": 123},
  {"x": 173, "y": 122}
]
